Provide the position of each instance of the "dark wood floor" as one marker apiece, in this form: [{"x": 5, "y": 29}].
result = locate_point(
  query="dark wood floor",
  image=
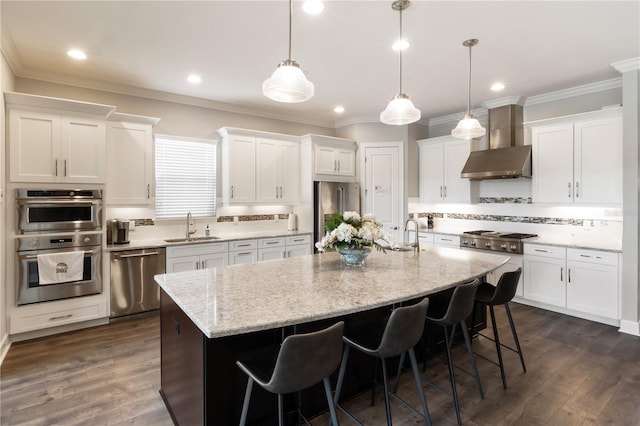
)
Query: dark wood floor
[{"x": 578, "y": 373}]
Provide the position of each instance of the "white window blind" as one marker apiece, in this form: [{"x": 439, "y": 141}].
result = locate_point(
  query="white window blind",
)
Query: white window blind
[{"x": 185, "y": 176}]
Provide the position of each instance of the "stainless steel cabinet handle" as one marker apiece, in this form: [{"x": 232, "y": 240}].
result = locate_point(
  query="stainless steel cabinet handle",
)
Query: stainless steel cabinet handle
[
  {"x": 577, "y": 189},
  {"x": 60, "y": 317},
  {"x": 280, "y": 192},
  {"x": 197, "y": 265},
  {"x": 246, "y": 253},
  {"x": 445, "y": 191},
  {"x": 148, "y": 191},
  {"x": 231, "y": 191},
  {"x": 276, "y": 192},
  {"x": 338, "y": 165},
  {"x": 569, "y": 274},
  {"x": 569, "y": 191},
  {"x": 395, "y": 228},
  {"x": 272, "y": 242},
  {"x": 125, "y": 256},
  {"x": 541, "y": 251},
  {"x": 244, "y": 245},
  {"x": 204, "y": 264},
  {"x": 440, "y": 192},
  {"x": 561, "y": 276},
  {"x": 65, "y": 168},
  {"x": 56, "y": 167}
]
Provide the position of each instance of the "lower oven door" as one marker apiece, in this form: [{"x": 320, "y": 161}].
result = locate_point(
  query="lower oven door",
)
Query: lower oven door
[{"x": 29, "y": 289}]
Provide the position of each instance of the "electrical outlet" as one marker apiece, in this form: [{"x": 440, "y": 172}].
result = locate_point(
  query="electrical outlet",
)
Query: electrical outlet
[{"x": 132, "y": 225}]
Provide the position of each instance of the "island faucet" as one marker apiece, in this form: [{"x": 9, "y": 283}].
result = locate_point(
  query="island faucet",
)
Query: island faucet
[
  {"x": 188, "y": 231},
  {"x": 416, "y": 243}
]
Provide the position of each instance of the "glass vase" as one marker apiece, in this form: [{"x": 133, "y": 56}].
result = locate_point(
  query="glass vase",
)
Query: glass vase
[{"x": 354, "y": 256}]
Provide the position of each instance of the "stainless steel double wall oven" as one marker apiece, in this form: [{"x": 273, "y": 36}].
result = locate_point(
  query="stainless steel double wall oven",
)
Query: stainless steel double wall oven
[{"x": 58, "y": 221}]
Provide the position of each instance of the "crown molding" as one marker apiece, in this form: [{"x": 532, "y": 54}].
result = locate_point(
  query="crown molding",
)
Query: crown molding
[
  {"x": 509, "y": 100},
  {"x": 369, "y": 119},
  {"x": 574, "y": 91},
  {"x": 480, "y": 113},
  {"x": 627, "y": 65}
]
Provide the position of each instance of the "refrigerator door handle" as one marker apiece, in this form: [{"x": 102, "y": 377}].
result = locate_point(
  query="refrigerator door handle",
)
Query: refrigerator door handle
[{"x": 340, "y": 199}]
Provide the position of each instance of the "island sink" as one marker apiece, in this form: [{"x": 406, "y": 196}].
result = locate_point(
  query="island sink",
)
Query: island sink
[{"x": 191, "y": 239}]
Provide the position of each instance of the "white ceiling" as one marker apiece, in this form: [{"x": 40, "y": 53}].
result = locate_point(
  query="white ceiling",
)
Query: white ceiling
[{"x": 534, "y": 47}]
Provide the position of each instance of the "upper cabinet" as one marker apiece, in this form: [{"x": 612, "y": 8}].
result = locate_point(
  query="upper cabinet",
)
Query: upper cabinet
[
  {"x": 333, "y": 159},
  {"x": 578, "y": 159},
  {"x": 130, "y": 166},
  {"x": 441, "y": 162},
  {"x": 259, "y": 167},
  {"x": 56, "y": 140}
]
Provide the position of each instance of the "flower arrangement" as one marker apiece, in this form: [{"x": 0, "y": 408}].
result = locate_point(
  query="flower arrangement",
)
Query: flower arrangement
[{"x": 349, "y": 230}]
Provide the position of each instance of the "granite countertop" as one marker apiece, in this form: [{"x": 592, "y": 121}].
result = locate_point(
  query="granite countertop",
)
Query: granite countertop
[
  {"x": 241, "y": 299},
  {"x": 161, "y": 242}
]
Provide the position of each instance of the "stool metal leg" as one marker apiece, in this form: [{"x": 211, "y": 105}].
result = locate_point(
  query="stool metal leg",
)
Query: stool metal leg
[
  {"x": 387, "y": 405},
  {"x": 332, "y": 408},
  {"x": 280, "y": 411},
  {"x": 395, "y": 388},
  {"x": 416, "y": 376},
  {"x": 515, "y": 335},
  {"x": 465, "y": 333},
  {"x": 496, "y": 340},
  {"x": 452, "y": 377},
  {"x": 343, "y": 367},
  {"x": 245, "y": 405}
]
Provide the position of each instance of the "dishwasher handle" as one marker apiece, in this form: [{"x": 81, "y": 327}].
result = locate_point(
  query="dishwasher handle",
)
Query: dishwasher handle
[{"x": 125, "y": 256}]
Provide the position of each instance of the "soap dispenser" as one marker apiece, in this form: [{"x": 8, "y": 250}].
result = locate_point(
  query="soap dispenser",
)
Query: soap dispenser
[{"x": 207, "y": 231}]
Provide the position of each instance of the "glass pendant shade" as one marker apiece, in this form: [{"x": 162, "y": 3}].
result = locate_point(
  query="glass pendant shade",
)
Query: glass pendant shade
[
  {"x": 399, "y": 111},
  {"x": 468, "y": 128},
  {"x": 288, "y": 84}
]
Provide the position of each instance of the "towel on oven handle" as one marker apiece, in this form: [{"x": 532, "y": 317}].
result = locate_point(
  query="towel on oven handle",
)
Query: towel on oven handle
[{"x": 56, "y": 268}]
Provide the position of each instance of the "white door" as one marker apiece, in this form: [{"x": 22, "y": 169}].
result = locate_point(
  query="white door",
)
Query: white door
[
  {"x": 431, "y": 172},
  {"x": 383, "y": 195},
  {"x": 544, "y": 280},
  {"x": 552, "y": 180}
]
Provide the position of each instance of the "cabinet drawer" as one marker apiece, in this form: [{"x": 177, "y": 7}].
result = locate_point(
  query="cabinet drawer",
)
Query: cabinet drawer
[
  {"x": 197, "y": 249},
  {"x": 593, "y": 256},
  {"x": 270, "y": 242},
  {"x": 298, "y": 239},
  {"x": 243, "y": 245},
  {"x": 545, "y": 251},
  {"x": 446, "y": 240},
  {"x": 21, "y": 323}
]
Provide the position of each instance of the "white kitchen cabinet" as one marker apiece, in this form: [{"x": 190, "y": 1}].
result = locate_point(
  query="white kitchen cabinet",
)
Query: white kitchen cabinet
[
  {"x": 546, "y": 274},
  {"x": 55, "y": 140},
  {"x": 578, "y": 159},
  {"x": 278, "y": 171},
  {"x": 332, "y": 159},
  {"x": 441, "y": 162},
  {"x": 259, "y": 167},
  {"x": 446, "y": 240},
  {"x": 515, "y": 262},
  {"x": 130, "y": 167},
  {"x": 243, "y": 251},
  {"x": 424, "y": 238},
  {"x": 298, "y": 245},
  {"x": 592, "y": 282},
  {"x": 196, "y": 256},
  {"x": 271, "y": 248}
]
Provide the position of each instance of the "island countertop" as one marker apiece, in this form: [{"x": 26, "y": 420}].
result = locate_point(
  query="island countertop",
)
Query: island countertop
[{"x": 240, "y": 299}]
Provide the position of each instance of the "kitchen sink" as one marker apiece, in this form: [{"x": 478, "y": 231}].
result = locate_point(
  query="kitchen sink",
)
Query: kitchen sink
[{"x": 191, "y": 239}]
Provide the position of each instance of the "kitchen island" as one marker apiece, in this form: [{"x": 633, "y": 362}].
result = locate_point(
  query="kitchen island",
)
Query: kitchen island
[{"x": 211, "y": 317}]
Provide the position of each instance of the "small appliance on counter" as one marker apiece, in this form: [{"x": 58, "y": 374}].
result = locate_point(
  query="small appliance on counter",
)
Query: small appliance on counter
[
  {"x": 118, "y": 231},
  {"x": 429, "y": 221}
]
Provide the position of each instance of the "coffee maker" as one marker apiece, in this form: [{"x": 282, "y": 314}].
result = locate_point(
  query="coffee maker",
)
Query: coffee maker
[{"x": 118, "y": 231}]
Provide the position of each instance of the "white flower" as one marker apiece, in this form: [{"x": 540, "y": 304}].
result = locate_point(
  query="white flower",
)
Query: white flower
[{"x": 350, "y": 215}]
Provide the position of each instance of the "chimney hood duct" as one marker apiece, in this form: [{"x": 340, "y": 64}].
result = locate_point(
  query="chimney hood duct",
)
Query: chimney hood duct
[{"x": 507, "y": 156}]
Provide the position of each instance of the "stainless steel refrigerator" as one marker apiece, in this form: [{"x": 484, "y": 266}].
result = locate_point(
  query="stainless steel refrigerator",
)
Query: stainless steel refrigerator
[{"x": 330, "y": 197}]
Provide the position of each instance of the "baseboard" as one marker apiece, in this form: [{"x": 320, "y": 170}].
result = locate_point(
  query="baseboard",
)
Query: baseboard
[
  {"x": 630, "y": 327},
  {"x": 5, "y": 344}
]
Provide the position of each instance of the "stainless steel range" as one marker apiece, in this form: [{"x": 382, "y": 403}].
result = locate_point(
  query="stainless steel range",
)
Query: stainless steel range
[{"x": 509, "y": 242}]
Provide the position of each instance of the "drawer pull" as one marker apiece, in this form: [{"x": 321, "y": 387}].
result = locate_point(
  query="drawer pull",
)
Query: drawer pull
[
  {"x": 299, "y": 240},
  {"x": 243, "y": 245},
  {"x": 272, "y": 242},
  {"x": 60, "y": 317},
  {"x": 561, "y": 276},
  {"x": 246, "y": 253},
  {"x": 541, "y": 251},
  {"x": 584, "y": 255}
]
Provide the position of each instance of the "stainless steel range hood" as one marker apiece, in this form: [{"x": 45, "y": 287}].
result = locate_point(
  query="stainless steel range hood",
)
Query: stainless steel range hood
[{"x": 507, "y": 156}]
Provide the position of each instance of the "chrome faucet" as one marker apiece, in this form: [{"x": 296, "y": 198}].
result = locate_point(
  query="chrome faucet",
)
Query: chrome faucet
[
  {"x": 416, "y": 243},
  {"x": 188, "y": 231}
]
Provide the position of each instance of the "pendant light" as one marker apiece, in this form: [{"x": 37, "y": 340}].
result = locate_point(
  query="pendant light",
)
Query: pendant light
[
  {"x": 400, "y": 109},
  {"x": 288, "y": 83},
  {"x": 469, "y": 127}
]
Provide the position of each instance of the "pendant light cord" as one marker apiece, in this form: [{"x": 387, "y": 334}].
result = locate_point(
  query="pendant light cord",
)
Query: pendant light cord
[
  {"x": 469, "y": 84},
  {"x": 290, "y": 13},
  {"x": 401, "y": 7}
]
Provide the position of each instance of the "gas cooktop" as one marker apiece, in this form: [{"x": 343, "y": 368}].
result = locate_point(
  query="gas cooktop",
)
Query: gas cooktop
[{"x": 510, "y": 242}]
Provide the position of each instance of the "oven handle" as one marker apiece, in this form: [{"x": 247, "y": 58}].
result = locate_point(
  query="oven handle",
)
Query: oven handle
[
  {"x": 46, "y": 202},
  {"x": 35, "y": 256},
  {"x": 124, "y": 256}
]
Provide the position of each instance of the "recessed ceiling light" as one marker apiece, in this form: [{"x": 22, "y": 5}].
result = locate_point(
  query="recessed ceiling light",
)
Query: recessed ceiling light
[
  {"x": 496, "y": 87},
  {"x": 194, "y": 79},
  {"x": 313, "y": 7},
  {"x": 401, "y": 44},
  {"x": 339, "y": 109},
  {"x": 77, "y": 54}
]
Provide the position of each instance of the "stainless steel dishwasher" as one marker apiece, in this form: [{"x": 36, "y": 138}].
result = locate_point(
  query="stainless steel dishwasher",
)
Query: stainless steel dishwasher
[{"x": 133, "y": 289}]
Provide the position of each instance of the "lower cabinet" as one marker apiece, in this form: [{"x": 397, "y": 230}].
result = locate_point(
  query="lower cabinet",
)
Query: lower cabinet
[
  {"x": 52, "y": 314},
  {"x": 243, "y": 251},
  {"x": 513, "y": 264},
  {"x": 271, "y": 248},
  {"x": 196, "y": 256},
  {"x": 300, "y": 245},
  {"x": 582, "y": 282},
  {"x": 445, "y": 240}
]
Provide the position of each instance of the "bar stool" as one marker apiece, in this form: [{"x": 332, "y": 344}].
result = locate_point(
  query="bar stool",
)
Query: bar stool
[
  {"x": 460, "y": 307},
  {"x": 401, "y": 333},
  {"x": 303, "y": 360},
  {"x": 501, "y": 294}
]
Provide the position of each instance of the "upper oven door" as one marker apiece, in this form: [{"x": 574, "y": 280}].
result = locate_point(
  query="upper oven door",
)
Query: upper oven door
[{"x": 58, "y": 215}]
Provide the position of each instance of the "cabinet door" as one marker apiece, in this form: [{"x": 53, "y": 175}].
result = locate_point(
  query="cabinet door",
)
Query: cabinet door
[
  {"x": 238, "y": 257},
  {"x": 83, "y": 150},
  {"x": 129, "y": 164},
  {"x": 299, "y": 250},
  {"x": 289, "y": 168},
  {"x": 593, "y": 289},
  {"x": 431, "y": 172},
  {"x": 34, "y": 146},
  {"x": 242, "y": 170},
  {"x": 271, "y": 254},
  {"x": 325, "y": 161},
  {"x": 598, "y": 162},
  {"x": 183, "y": 263},
  {"x": 267, "y": 173},
  {"x": 544, "y": 280},
  {"x": 214, "y": 260},
  {"x": 552, "y": 177},
  {"x": 456, "y": 189},
  {"x": 346, "y": 161},
  {"x": 514, "y": 263}
]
